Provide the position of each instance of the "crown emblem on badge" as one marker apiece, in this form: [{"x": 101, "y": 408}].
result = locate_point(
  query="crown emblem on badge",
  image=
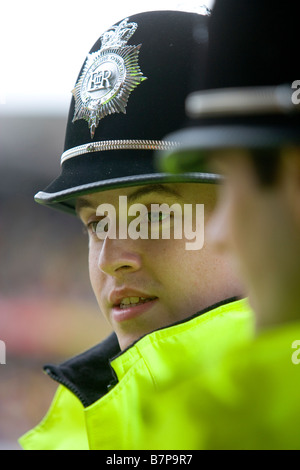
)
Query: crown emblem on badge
[{"x": 108, "y": 77}]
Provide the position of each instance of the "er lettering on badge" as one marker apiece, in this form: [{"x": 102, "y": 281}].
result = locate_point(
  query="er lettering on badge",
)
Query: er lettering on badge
[{"x": 100, "y": 80}]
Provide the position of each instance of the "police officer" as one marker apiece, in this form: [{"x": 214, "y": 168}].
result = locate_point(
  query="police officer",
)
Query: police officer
[
  {"x": 171, "y": 308},
  {"x": 247, "y": 126}
]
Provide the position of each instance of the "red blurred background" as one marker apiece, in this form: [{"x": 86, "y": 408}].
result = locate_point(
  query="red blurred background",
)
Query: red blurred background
[{"x": 47, "y": 309}]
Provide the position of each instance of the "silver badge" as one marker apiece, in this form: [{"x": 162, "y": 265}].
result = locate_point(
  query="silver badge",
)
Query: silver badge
[{"x": 108, "y": 77}]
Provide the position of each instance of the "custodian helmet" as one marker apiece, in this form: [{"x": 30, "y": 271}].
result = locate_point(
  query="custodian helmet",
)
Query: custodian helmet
[
  {"x": 249, "y": 96},
  {"x": 129, "y": 94}
]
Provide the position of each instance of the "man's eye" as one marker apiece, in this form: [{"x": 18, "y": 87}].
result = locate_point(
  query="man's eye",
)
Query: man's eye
[
  {"x": 157, "y": 216},
  {"x": 98, "y": 226},
  {"x": 92, "y": 226}
]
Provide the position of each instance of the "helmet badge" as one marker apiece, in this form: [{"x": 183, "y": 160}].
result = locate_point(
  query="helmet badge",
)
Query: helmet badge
[{"x": 108, "y": 77}]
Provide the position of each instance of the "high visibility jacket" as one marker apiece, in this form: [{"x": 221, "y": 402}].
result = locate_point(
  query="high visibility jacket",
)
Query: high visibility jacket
[
  {"x": 249, "y": 401},
  {"x": 102, "y": 399}
]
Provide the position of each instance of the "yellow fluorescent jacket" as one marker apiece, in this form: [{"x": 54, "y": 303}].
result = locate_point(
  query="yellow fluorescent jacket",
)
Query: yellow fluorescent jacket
[
  {"x": 249, "y": 401},
  {"x": 102, "y": 403}
]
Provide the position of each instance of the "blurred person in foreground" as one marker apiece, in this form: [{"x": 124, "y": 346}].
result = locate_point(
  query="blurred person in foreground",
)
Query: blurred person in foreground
[
  {"x": 247, "y": 128},
  {"x": 173, "y": 310}
]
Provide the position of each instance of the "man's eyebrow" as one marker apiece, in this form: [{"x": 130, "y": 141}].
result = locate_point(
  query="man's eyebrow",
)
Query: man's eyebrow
[
  {"x": 83, "y": 203},
  {"x": 151, "y": 189}
]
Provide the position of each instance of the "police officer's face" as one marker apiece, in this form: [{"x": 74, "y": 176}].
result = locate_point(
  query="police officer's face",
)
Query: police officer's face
[
  {"x": 142, "y": 284},
  {"x": 260, "y": 227}
]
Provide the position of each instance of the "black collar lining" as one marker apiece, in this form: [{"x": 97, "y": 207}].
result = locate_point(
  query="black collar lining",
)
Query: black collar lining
[{"x": 89, "y": 375}]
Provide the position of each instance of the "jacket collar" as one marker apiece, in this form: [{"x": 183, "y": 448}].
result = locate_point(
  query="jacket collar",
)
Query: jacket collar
[{"x": 89, "y": 375}]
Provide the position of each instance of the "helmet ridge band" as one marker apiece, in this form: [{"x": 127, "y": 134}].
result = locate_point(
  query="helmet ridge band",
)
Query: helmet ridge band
[
  {"x": 117, "y": 145},
  {"x": 230, "y": 101}
]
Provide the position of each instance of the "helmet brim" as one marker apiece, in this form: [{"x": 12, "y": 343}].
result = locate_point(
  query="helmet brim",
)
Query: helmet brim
[
  {"x": 87, "y": 178},
  {"x": 197, "y": 143}
]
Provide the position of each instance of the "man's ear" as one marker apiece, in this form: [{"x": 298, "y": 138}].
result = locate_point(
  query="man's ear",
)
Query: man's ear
[{"x": 290, "y": 177}]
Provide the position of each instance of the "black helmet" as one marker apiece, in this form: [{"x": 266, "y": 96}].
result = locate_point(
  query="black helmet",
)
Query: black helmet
[
  {"x": 249, "y": 97},
  {"x": 129, "y": 94}
]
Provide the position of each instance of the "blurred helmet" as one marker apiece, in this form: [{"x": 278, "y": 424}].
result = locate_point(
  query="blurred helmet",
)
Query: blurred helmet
[
  {"x": 129, "y": 94},
  {"x": 249, "y": 96}
]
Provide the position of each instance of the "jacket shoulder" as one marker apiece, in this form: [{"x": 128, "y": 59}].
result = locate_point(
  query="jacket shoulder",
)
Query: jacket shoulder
[{"x": 62, "y": 428}]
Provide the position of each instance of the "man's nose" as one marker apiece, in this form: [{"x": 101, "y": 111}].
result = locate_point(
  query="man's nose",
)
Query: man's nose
[{"x": 119, "y": 256}]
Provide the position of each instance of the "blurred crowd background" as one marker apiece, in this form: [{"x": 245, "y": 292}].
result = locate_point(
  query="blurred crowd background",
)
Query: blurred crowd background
[{"x": 47, "y": 309}]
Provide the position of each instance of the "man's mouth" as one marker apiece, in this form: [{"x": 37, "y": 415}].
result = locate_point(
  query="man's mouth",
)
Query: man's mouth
[{"x": 127, "y": 302}]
